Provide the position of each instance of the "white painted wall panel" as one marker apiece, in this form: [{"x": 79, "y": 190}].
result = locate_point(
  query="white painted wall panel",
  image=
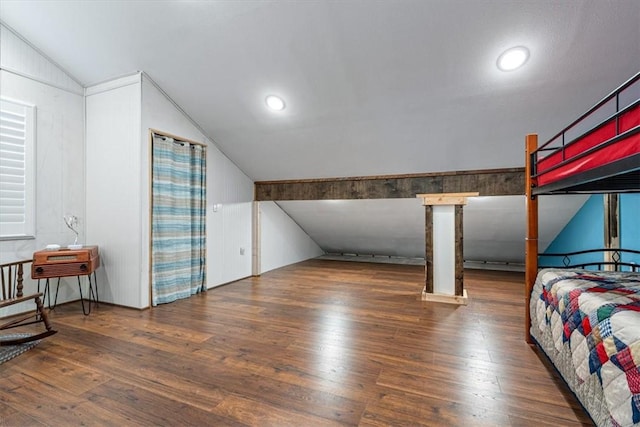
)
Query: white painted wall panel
[
  {"x": 238, "y": 187},
  {"x": 236, "y": 235},
  {"x": 215, "y": 220},
  {"x": 22, "y": 58},
  {"x": 393, "y": 227},
  {"x": 228, "y": 229},
  {"x": 59, "y": 171},
  {"x": 282, "y": 241},
  {"x": 114, "y": 213}
]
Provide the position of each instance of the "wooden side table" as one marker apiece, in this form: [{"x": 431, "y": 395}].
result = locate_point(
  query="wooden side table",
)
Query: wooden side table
[{"x": 59, "y": 263}]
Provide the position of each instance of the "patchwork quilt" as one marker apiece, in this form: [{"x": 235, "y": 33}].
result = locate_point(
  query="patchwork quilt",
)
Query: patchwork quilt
[{"x": 598, "y": 314}]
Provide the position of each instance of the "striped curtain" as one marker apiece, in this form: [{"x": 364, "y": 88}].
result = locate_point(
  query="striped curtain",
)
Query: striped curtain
[{"x": 178, "y": 220}]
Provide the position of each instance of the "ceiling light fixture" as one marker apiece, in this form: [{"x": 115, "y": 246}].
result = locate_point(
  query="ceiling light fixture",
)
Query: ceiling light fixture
[
  {"x": 513, "y": 58},
  {"x": 275, "y": 103}
]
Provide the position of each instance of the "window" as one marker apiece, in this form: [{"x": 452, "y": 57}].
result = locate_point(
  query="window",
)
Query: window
[{"x": 17, "y": 170}]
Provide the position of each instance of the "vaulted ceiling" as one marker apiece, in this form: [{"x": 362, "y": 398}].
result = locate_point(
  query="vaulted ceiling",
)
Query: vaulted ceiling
[{"x": 371, "y": 87}]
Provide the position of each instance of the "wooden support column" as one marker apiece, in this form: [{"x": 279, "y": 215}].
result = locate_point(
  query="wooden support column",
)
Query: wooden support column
[
  {"x": 459, "y": 279},
  {"x": 444, "y": 271},
  {"x": 531, "y": 242},
  {"x": 428, "y": 250}
]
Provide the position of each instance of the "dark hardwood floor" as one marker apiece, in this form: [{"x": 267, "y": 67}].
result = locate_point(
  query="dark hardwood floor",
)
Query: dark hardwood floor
[{"x": 318, "y": 343}]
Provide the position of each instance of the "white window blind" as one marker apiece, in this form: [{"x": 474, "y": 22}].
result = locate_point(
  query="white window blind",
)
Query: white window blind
[{"x": 17, "y": 170}]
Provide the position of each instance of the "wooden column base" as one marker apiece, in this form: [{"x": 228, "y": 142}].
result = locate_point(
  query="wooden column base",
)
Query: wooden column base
[{"x": 448, "y": 299}]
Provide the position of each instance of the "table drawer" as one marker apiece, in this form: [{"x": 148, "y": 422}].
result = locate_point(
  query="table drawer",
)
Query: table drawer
[{"x": 63, "y": 270}]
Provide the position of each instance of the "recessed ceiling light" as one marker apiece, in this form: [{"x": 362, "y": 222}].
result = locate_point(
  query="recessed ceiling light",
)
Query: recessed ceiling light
[
  {"x": 274, "y": 102},
  {"x": 513, "y": 58}
]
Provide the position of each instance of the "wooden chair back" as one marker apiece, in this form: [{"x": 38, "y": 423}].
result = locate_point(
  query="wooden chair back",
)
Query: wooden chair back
[
  {"x": 12, "y": 293},
  {"x": 12, "y": 277}
]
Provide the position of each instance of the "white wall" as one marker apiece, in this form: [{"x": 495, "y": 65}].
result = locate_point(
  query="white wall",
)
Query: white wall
[
  {"x": 494, "y": 227},
  {"x": 282, "y": 241},
  {"x": 29, "y": 77},
  {"x": 114, "y": 204},
  {"x": 19, "y": 57},
  {"x": 229, "y": 227},
  {"x": 120, "y": 114},
  {"x": 229, "y": 243},
  {"x": 393, "y": 227},
  {"x": 113, "y": 161}
]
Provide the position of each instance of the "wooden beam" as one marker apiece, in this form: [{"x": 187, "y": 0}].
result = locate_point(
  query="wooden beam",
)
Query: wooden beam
[{"x": 487, "y": 182}]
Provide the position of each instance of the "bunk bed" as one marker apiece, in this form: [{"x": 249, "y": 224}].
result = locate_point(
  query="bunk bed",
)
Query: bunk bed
[{"x": 585, "y": 316}]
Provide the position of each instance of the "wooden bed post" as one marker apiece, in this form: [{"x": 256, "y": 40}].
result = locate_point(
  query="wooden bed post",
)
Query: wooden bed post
[{"x": 531, "y": 245}]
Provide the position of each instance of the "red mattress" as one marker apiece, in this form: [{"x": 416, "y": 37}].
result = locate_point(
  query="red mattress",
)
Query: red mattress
[{"x": 559, "y": 164}]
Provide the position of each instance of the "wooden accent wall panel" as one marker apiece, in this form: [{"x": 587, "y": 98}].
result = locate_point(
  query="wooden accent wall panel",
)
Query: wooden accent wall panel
[{"x": 488, "y": 182}]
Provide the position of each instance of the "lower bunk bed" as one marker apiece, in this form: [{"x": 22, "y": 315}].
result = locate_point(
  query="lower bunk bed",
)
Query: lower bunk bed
[
  {"x": 588, "y": 325},
  {"x": 588, "y": 322}
]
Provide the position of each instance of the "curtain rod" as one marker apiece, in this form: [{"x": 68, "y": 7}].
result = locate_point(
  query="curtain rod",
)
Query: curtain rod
[{"x": 158, "y": 133}]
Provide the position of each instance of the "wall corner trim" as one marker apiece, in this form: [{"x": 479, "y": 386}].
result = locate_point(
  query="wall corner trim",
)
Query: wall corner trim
[{"x": 116, "y": 83}]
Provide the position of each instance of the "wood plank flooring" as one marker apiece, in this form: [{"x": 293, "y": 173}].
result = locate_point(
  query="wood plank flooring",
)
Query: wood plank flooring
[{"x": 319, "y": 343}]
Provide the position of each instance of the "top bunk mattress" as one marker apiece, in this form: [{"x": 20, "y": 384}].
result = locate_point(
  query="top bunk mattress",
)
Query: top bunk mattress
[{"x": 598, "y": 152}]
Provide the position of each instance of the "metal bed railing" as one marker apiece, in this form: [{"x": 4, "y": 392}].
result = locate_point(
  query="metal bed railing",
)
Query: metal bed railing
[
  {"x": 616, "y": 261},
  {"x": 559, "y": 144}
]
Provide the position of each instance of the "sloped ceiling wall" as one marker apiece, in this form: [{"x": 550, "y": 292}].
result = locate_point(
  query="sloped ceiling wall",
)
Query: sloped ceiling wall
[
  {"x": 494, "y": 227},
  {"x": 371, "y": 87}
]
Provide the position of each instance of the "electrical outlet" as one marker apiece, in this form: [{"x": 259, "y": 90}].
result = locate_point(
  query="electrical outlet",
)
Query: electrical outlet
[{"x": 241, "y": 251}]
